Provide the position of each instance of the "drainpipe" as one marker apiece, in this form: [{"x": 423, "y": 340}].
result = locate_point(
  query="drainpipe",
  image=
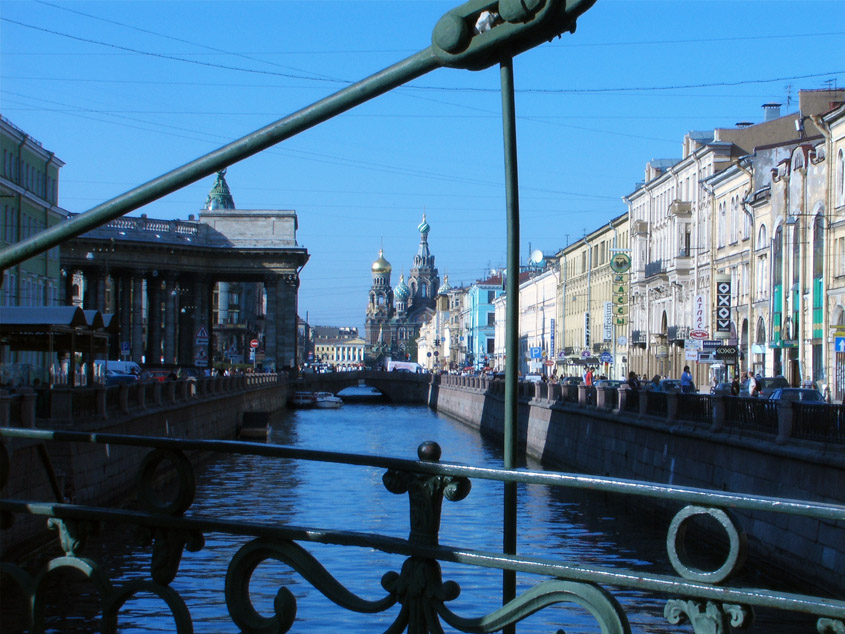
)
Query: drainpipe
[
  {"x": 824, "y": 128},
  {"x": 589, "y": 289},
  {"x": 710, "y": 191},
  {"x": 746, "y": 207},
  {"x": 616, "y": 365}
]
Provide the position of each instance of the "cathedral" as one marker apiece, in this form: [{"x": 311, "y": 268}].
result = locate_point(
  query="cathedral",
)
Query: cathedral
[{"x": 394, "y": 315}]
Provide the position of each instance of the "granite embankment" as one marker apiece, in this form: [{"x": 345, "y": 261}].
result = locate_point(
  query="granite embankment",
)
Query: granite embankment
[{"x": 556, "y": 429}]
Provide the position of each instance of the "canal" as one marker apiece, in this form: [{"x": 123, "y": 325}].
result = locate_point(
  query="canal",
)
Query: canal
[{"x": 554, "y": 523}]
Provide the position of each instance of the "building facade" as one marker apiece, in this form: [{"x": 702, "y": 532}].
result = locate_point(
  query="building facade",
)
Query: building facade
[
  {"x": 195, "y": 292},
  {"x": 29, "y": 203},
  {"x": 593, "y": 298},
  {"x": 722, "y": 248}
]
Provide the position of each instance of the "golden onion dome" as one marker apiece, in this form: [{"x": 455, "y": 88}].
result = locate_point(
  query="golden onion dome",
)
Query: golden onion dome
[{"x": 381, "y": 265}]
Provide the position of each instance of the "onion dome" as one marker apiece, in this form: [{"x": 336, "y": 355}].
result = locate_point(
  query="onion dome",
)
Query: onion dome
[
  {"x": 444, "y": 288},
  {"x": 381, "y": 265},
  {"x": 423, "y": 227},
  {"x": 401, "y": 292}
]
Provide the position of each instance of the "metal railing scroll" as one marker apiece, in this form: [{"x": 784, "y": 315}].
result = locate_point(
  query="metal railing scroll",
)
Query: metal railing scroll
[{"x": 705, "y": 598}]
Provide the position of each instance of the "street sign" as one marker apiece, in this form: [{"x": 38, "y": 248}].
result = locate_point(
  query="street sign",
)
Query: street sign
[
  {"x": 606, "y": 357},
  {"x": 124, "y": 347},
  {"x": 725, "y": 353},
  {"x": 548, "y": 362},
  {"x": 839, "y": 344},
  {"x": 201, "y": 338},
  {"x": 536, "y": 352},
  {"x": 253, "y": 343}
]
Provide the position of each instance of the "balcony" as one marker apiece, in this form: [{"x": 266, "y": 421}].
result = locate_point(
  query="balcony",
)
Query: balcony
[
  {"x": 681, "y": 208},
  {"x": 678, "y": 333},
  {"x": 683, "y": 261},
  {"x": 652, "y": 269},
  {"x": 639, "y": 228}
]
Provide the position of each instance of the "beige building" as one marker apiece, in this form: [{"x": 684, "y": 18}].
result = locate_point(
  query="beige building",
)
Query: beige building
[
  {"x": 593, "y": 291},
  {"x": 537, "y": 318},
  {"x": 709, "y": 233}
]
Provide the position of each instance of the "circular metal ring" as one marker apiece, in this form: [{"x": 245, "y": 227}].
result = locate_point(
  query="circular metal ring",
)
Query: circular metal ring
[
  {"x": 675, "y": 545},
  {"x": 184, "y": 487}
]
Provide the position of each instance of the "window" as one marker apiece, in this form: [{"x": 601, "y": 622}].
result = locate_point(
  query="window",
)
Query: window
[
  {"x": 491, "y": 319},
  {"x": 840, "y": 178},
  {"x": 491, "y": 295}
]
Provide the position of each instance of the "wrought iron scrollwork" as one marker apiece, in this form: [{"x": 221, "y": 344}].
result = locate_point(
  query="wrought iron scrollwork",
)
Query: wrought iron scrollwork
[
  {"x": 830, "y": 626},
  {"x": 709, "y": 617},
  {"x": 252, "y": 554}
]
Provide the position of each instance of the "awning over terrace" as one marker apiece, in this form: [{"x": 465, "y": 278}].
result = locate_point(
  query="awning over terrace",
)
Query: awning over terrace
[{"x": 57, "y": 329}]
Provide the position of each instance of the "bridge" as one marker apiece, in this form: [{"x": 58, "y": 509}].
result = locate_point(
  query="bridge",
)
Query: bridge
[{"x": 396, "y": 387}]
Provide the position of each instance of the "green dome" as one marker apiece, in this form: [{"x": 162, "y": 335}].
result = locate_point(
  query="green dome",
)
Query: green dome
[
  {"x": 402, "y": 291},
  {"x": 423, "y": 227}
]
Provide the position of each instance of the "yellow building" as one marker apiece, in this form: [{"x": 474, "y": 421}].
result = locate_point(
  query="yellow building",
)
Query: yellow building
[{"x": 592, "y": 306}]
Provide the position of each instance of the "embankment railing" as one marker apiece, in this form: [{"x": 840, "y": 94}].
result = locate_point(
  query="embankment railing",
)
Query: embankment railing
[
  {"x": 781, "y": 421},
  {"x": 706, "y": 598},
  {"x": 22, "y": 407}
]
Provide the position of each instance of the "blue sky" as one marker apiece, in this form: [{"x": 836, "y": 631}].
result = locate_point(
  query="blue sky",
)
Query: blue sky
[{"x": 126, "y": 91}]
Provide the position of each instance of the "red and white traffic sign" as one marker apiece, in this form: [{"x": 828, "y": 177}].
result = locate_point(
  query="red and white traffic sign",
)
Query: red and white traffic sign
[{"x": 253, "y": 343}]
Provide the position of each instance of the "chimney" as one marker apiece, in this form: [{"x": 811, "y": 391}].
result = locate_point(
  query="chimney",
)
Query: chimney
[{"x": 772, "y": 111}]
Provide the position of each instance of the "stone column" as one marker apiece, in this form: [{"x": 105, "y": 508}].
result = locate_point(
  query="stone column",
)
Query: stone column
[
  {"x": 270, "y": 317},
  {"x": 137, "y": 315},
  {"x": 153, "y": 348},
  {"x": 286, "y": 326},
  {"x": 89, "y": 292},
  {"x": 170, "y": 320},
  {"x": 786, "y": 415},
  {"x": 124, "y": 308}
]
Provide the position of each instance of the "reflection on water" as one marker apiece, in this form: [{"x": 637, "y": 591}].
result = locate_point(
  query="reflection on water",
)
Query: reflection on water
[{"x": 574, "y": 526}]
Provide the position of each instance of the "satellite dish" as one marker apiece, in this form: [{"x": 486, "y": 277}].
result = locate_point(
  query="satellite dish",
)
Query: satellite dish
[{"x": 536, "y": 258}]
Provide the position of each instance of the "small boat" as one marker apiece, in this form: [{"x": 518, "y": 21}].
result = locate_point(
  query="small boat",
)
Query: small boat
[
  {"x": 303, "y": 399},
  {"x": 327, "y": 400}
]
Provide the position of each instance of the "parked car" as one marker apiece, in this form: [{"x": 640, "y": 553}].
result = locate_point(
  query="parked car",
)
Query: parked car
[
  {"x": 609, "y": 383},
  {"x": 721, "y": 389},
  {"x": 766, "y": 385},
  {"x": 571, "y": 380},
  {"x": 669, "y": 385},
  {"x": 113, "y": 377},
  {"x": 803, "y": 394}
]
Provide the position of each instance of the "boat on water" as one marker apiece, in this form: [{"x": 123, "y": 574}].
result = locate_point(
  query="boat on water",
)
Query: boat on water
[
  {"x": 327, "y": 400},
  {"x": 303, "y": 399}
]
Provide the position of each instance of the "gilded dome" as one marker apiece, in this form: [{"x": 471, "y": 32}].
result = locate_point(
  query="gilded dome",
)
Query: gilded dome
[
  {"x": 401, "y": 292},
  {"x": 381, "y": 265}
]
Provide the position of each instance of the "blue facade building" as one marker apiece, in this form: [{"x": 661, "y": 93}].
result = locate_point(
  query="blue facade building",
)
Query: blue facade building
[{"x": 481, "y": 321}]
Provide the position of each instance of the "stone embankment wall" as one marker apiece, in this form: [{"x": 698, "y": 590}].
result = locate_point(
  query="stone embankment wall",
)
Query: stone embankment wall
[
  {"x": 607, "y": 442},
  {"x": 97, "y": 474}
]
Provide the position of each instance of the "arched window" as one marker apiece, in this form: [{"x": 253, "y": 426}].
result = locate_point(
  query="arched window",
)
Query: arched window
[
  {"x": 840, "y": 177},
  {"x": 720, "y": 230},
  {"x": 796, "y": 255},
  {"x": 734, "y": 220},
  {"x": 818, "y": 246}
]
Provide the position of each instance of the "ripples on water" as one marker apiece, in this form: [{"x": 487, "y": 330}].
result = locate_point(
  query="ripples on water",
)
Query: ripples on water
[{"x": 564, "y": 525}]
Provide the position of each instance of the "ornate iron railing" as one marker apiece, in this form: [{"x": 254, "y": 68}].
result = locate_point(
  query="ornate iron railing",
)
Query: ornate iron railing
[{"x": 705, "y": 598}]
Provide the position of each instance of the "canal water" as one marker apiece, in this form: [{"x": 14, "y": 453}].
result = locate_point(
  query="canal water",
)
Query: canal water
[{"x": 566, "y": 526}]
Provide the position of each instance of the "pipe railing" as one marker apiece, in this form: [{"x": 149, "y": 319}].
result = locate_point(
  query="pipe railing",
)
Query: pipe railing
[{"x": 706, "y": 598}]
